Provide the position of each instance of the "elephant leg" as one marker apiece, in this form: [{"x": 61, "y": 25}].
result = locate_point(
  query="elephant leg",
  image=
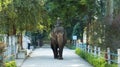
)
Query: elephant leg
[
  {"x": 60, "y": 53},
  {"x": 55, "y": 52}
]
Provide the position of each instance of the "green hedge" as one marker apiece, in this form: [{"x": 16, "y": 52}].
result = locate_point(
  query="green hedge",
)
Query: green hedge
[
  {"x": 11, "y": 64},
  {"x": 95, "y": 61}
]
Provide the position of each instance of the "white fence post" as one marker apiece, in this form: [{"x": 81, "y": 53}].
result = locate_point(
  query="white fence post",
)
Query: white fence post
[
  {"x": 5, "y": 39},
  {"x": 108, "y": 54},
  {"x": 118, "y": 57},
  {"x": 81, "y": 46},
  {"x": 99, "y": 52},
  {"x": 95, "y": 50}
]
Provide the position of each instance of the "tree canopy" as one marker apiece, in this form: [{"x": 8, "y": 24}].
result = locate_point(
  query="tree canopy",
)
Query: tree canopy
[
  {"x": 20, "y": 15},
  {"x": 95, "y": 17}
]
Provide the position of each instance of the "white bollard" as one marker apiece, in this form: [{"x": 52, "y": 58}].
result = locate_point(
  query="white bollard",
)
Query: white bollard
[
  {"x": 95, "y": 50},
  {"x": 118, "y": 57},
  {"x": 99, "y": 52},
  {"x": 5, "y": 39},
  {"x": 108, "y": 54},
  {"x": 88, "y": 48}
]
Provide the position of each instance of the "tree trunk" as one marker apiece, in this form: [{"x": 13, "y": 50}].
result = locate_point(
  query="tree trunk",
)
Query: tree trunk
[
  {"x": 2, "y": 46},
  {"x": 109, "y": 12},
  {"x": 87, "y": 34},
  {"x": 21, "y": 40},
  {"x": 108, "y": 22}
]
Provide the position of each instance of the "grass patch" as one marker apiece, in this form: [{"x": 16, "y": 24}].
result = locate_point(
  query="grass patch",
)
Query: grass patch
[{"x": 10, "y": 64}]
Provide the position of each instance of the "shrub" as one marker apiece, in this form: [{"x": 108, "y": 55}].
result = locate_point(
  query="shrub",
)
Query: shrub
[
  {"x": 11, "y": 64},
  {"x": 111, "y": 65},
  {"x": 94, "y": 60}
]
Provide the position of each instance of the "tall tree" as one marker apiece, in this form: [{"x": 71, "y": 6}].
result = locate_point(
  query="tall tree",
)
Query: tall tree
[
  {"x": 68, "y": 10},
  {"x": 108, "y": 22},
  {"x": 22, "y": 15}
]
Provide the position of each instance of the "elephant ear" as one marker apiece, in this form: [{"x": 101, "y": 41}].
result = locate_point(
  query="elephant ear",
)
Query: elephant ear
[
  {"x": 65, "y": 37},
  {"x": 52, "y": 36}
]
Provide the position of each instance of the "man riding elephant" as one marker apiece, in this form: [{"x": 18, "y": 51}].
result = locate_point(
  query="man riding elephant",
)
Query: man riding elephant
[{"x": 58, "y": 40}]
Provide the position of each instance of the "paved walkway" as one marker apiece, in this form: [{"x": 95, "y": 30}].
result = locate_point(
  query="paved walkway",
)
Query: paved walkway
[{"x": 43, "y": 57}]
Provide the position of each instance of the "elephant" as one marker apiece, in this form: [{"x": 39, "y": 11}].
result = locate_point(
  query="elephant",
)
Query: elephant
[{"x": 58, "y": 40}]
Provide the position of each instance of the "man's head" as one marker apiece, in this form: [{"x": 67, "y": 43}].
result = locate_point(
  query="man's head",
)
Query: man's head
[{"x": 59, "y": 20}]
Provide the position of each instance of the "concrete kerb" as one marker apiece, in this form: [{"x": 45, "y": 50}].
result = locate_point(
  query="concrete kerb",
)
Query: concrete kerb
[{"x": 20, "y": 61}]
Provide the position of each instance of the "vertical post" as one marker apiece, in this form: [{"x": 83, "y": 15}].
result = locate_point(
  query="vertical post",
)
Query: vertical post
[
  {"x": 74, "y": 42},
  {"x": 108, "y": 54},
  {"x": 118, "y": 57},
  {"x": 99, "y": 52},
  {"x": 85, "y": 47},
  {"x": 1, "y": 59},
  {"x": 95, "y": 50},
  {"x": 91, "y": 50},
  {"x": 77, "y": 44},
  {"x": 5, "y": 39},
  {"x": 14, "y": 45},
  {"x": 2, "y": 46},
  {"x": 88, "y": 48},
  {"x": 81, "y": 46},
  {"x": 12, "y": 49}
]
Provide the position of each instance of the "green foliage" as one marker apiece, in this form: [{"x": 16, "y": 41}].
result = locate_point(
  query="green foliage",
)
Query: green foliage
[
  {"x": 111, "y": 65},
  {"x": 70, "y": 46},
  {"x": 69, "y": 11},
  {"x": 94, "y": 60},
  {"x": 116, "y": 8},
  {"x": 20, "y": 15},
  {"x": 99, "y": 30},
  {"x": 112, "y": 29},
  {"x": 11, "y": 64},
  {"x": 83, "y": 2},
  {"x": 96, "y": 34},
  {"x": 30, "y": 12},
  {"x": 78, "y": 30}
]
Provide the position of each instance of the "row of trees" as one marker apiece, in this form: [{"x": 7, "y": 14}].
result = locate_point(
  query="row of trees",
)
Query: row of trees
[
  {"x": 104, "y": 31},
  {"x": 72, "y": 12},
  {"x": 76, "y": 15},
  {"x": 97, "y": 17},
  {"x": 100, "y": 19},
  {"x": 19, "y": 15}
]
